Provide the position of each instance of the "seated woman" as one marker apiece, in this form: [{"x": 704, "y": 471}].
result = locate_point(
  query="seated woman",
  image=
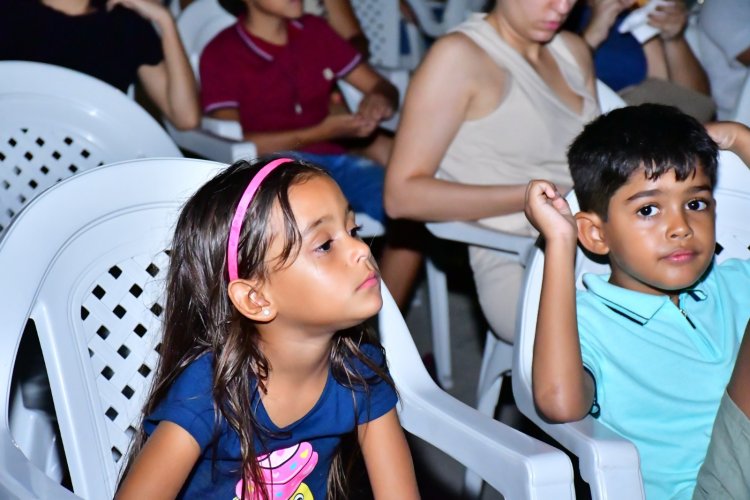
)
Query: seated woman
[
  {"x": 663, "y": 70},
  {"x": 274, "y": 72},
  {"x": 114, "y": 41},
  {"x": 492, "y": 106}
]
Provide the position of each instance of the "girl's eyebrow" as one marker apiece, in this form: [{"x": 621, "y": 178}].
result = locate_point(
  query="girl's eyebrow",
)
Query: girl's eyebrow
[{"x": 310, "y": 227}]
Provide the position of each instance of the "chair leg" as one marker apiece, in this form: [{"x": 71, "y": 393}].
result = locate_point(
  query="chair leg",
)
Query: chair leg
[
  {"x": 437, "y": 287},
  {"x": 33, "y": 431},
  {"x": 497, "y": 361}
]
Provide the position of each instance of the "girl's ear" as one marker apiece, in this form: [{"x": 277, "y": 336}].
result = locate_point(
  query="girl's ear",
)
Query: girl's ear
[
  {"x": 590, "y": 233},
  {"x": 247, "y": 296}
]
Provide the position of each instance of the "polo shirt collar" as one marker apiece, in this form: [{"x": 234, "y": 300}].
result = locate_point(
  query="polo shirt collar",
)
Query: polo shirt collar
[
  {"x": 251, "y": 42},
  {"x": 637, "y": 306}
]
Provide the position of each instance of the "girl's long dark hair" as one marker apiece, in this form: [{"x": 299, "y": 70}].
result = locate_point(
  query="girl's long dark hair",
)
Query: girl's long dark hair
[{"x": 199, "y": 317}]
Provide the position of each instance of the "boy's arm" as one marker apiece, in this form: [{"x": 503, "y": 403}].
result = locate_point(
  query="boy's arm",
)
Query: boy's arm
[
  {"x": 732, "y": 136},
  {"x": 563, "y": 390}
]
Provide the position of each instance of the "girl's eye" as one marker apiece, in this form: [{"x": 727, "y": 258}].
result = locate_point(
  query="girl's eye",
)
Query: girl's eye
[
  {"x": 648, "y": 211},
  {"x": 354, "y": 232},
  {"x": 697, "y": 205},
  {"x": 325, "y": 247}
]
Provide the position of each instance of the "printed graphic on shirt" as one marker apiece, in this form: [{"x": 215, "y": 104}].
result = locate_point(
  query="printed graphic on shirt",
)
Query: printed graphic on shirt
[{"x": 283, "y": 472}]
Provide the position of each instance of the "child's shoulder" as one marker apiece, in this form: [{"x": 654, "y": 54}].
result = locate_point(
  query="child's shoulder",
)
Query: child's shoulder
[{"x": 373, "y": 354}]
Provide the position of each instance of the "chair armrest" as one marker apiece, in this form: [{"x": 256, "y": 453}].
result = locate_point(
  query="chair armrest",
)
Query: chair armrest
[
  {"x": 606, "y": 461},
  {"x": 19, "y": 478},
  {"x": 473, "y": 233},
  {"x": 212, "y": 146},
  {"x": 515, "y": 464}
]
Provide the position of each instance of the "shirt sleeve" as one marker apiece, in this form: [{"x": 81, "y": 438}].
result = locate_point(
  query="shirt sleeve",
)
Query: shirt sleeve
[
  {"x": 189, "y": 403},
  {"x": 146, "y": 41},
  {"x": 342, "y": 56},
  {"x": 379, "y": 397},
  {"x": 218, "y": 84}
]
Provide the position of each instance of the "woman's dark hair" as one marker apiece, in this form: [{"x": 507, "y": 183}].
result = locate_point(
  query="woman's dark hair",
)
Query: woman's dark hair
[
  {"x": 652, "y": 137},
  {"x": 200, "y": 318}
]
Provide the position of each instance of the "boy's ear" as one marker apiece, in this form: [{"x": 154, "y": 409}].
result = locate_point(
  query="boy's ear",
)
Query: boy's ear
[
  {"x": 247, "y": 296},
  {"x": 591, "y": 233}
]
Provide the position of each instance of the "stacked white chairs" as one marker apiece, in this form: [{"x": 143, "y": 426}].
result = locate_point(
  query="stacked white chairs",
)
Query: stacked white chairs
[
  {"x": 57, "y": 122},
  {"x": 94, "y": 290},
  {"x": 606, "y": 461}
]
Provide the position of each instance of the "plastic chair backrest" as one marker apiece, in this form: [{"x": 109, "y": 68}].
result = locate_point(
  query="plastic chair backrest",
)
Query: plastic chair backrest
[
  {"x": 380, "y": 22},
  {"x": 94, "y": 291},
  {"x": 57, "y": 122},
  {"x": 742, "y": 108},
  {"x": 732, "y": 234},
  {"x": 198, "y": 24},
  {"x": 608, "y": 98}
]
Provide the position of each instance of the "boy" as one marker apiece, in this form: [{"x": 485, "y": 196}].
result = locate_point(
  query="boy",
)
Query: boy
[{"x": 660, "y": 335}]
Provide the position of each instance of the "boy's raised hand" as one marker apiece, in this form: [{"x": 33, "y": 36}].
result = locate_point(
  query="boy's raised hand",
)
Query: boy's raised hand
[
  {"x": 732, "y": 136},
  {"x": 548, "y": 211}
]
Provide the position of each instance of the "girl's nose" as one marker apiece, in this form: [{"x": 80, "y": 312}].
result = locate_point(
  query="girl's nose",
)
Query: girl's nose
[{"x": 360, "y": 249}]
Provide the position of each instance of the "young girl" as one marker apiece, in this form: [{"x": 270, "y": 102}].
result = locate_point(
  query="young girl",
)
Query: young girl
[{"x": 265, "y": 362}]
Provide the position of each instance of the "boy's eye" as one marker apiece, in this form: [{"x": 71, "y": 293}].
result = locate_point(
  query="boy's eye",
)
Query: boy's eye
[
  {"x": 648, "y": 211},
  {"x": 697, "y": 205},
  {"x": 354, "y": 232}
]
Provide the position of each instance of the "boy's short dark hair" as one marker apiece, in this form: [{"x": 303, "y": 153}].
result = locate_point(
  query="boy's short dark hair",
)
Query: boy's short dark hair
[{"x": 616, "y": 144}]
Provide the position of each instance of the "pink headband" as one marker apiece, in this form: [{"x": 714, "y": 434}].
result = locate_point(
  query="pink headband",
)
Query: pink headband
[{"x": 239, "y": 215}]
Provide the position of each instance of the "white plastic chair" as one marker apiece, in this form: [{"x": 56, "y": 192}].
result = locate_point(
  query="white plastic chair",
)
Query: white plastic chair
[
  {"x": 94, "y": 290},
  {"x": 497, "y": 357},
  {"x": 742, "y": 109},
  {"x": 57, "y": 122},
  {"x": 606, "y": 461}
]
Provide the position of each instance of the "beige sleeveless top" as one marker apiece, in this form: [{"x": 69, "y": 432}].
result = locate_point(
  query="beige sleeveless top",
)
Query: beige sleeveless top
[{"x": 527, "y": 136}]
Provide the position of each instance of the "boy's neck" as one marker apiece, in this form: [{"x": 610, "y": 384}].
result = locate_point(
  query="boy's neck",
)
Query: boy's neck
[
  {"x": 272, "y": 29},
  {"x": 70, "y": 7}
]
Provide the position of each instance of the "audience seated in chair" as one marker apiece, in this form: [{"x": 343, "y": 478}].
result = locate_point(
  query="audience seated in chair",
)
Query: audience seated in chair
[
  {"x": 492, "y": 106},
  {"x": 647, "y": 350},
  {"x": 663, "y": 69},
  {"x": 113, "y": 41}
]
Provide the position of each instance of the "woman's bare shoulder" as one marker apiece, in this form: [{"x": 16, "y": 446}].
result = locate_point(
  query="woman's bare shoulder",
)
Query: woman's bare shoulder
[{"x": 580, "y": 50}]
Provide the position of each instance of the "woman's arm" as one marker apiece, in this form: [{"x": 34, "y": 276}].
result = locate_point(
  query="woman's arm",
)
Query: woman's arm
[
  {"x": 563, "y": 390},
  {"x": 387, "y": 458},
  {"x": 170, "y": 84},
  {"x": 438, "y": 101},
  {"x": 669, "y": 56},
  {"x": 603, "y": 16},
  {"x": 163, "y": 465}
]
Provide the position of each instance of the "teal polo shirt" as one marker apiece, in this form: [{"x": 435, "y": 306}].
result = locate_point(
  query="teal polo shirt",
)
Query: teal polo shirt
[{"x": 660, "y": 369}]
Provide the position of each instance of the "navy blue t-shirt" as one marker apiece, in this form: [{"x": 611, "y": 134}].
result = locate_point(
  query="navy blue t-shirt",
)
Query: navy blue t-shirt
[
  {"x": 619, "y": 61},
  {"x": 295, "y": 458}
]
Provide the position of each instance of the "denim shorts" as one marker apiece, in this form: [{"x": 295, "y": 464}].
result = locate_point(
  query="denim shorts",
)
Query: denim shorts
[{"x": 360, "y": 179}]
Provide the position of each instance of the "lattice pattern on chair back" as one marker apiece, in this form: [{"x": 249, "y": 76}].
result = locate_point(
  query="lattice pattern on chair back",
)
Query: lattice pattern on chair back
[
  {"x": 33, "y": 159},
  {"x": 380, "y": 21},
  {"x": 122, "y": 319}
]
